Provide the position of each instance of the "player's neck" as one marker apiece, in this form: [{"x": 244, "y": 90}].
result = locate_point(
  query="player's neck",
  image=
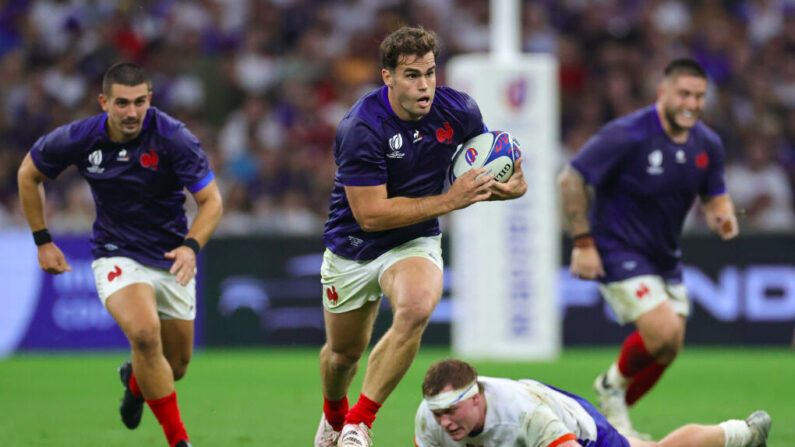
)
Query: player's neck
[
  {"x": 118, "y": 137},
  {"x": 678, "y": 135}
]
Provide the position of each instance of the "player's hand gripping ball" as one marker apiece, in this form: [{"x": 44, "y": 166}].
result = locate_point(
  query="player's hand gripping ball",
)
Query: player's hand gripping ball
[{"x": 496, "y": 151}]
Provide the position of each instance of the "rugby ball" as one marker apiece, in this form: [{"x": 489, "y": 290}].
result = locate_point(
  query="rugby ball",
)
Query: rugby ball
[{"x": 496, "y": 151}]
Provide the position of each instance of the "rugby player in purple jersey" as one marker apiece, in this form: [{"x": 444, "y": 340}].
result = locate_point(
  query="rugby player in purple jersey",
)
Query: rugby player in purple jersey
[
  {"x": 625, "y": 196},
  {"x": 393, "y": 150},
  {"x": 137, "y": 160}
]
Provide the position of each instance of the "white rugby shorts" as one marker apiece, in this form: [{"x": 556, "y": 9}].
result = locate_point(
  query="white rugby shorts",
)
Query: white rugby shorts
[
  {"x": 635, "y": 296},
  {"x": 349, "y": 284},
  {"x": 174, "y": 301}
]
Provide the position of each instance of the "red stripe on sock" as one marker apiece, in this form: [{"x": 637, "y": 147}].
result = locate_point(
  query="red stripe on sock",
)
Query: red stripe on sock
[
  {"x": 364, "y": 411},
  {"x": 634, "y": 356},
  {"x": 644, "y": 381},
  {"x": 134, "y": 389},
  {"x": 335, "y": 411},
  {"x": 167, "y": 413}
]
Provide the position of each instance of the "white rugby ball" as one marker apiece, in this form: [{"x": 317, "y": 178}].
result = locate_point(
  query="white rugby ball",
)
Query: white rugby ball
[{"x": 496, "y": 151}]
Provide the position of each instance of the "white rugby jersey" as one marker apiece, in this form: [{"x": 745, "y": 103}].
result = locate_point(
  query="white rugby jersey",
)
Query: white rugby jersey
[{"x": 519, "y": 413}]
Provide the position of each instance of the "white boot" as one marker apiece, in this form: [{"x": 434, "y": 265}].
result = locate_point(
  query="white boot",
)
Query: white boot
[
  {"x": 358, "y": 435},
  {"x": 759, "y": 423},
  {"x": 612, "y": 404},
  {"x": 326, "y": 436}
]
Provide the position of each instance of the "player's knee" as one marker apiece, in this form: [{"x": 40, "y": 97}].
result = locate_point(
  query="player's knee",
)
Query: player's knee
[
  {"x": 180, "y": 368},
  {"x": 344, "y": 359},
  {"x": 145, "y": 339},
  {"x": 665, "y": 343},
  {"x": 414, "y": 316}
]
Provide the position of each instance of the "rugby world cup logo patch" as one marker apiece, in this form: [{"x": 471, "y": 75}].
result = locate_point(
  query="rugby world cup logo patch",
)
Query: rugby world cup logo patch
[
  {"x": 395, "y": 143},
  {"x": 95, "y": 158},
  {"x": 470, "y": 155}
]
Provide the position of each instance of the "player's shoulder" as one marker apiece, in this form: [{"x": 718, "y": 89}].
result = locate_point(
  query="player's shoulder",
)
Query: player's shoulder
[
  {"x": 455, "y": 100},
  {"x": 370, "y": 108},
  {"x": 708, "y": 135},
  {"x": 77, "y": 132},
  {"x": 165, "y": 125},
  {"x": 635, "y": 126},
  {"x": 366, "y": 114}
]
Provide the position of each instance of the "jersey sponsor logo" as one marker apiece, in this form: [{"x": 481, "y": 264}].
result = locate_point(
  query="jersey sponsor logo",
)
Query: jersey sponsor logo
[
  {"x": 445, "y": 134},
  {"x": 114, "y": 273},
  {"x": 702, "y": 160},
  {"x": 355, "y": 241},
  {"x": 395, "y": 143},
  {"x": 123, "y": 156},
  {"x": 331, "y": 294},
  {"x": 680, "y": 156},
  {"x": 95, "y": 158},
  {"x": 655, "y": 162},
  {"x": 642, "y": 291},
  {"x": 150, "y": 160},
  {"x": 417, "y": 136}
]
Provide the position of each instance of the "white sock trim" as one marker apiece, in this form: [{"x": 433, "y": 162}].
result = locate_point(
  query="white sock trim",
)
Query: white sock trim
[
  {"x": 736, "y": 433},
  {"x": 615, "y": 378}
]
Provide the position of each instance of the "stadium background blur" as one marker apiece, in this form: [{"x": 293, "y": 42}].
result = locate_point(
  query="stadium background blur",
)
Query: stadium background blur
[{"x": 263, "y": 85}]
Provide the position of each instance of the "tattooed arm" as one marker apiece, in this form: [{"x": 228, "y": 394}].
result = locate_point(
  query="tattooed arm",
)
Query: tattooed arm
[{"x": 585, "y": 260}]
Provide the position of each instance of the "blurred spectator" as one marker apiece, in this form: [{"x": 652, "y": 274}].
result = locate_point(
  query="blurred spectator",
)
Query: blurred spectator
[
  {"x": 761, "y": 187},
  {"x": 264, "y": 84}
]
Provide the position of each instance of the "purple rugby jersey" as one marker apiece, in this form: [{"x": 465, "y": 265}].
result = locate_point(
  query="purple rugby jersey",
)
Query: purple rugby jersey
[
  {"x": 645, "y": 184},
  {"x": 375, "y": 147},
  {"x": 137, "y": 185}
]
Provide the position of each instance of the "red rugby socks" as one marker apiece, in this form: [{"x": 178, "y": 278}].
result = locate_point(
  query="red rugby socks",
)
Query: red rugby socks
[
  {"x": 643, "y": 381},
  {"x": 634, "y": 356},
  {"x": 167, "y": 413},
  {"x": 639, "y": 367},
  {"x": 335, "y": 411},
  {"x": 134, "y": 389},
  {"x": 364, "y": 411}
]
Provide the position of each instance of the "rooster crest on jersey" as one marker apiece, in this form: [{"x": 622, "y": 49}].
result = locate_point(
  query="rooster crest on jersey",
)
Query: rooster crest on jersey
[{"x": 496, "y": 151}]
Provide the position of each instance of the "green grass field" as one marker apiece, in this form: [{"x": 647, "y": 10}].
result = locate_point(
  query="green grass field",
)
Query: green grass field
[{"x": 271, "y": 397}]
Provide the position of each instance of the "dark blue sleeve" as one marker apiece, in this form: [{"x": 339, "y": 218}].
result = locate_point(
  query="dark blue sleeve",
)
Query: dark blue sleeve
[
  {"x": 359, "y": 155},
  {"x": 714, "y": 184},
  {"x": 189, "y": 161},
  {"x": 54, "y": 152},
  {"x": 475, "y": 125},
  {"x": 602, "y": 153}
]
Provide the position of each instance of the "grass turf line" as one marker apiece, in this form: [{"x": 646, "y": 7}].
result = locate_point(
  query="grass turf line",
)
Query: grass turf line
[{"x": 256, "y": 397}]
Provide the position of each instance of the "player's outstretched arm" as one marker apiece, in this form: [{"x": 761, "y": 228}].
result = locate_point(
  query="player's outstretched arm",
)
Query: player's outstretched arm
[
  {"x": 721, "y": 217},
  {"x": 210, "y": 209},
  {"x": 515, "y": 187},
  {"x": 374, "y": 211},
  {"x": 31, "y": 195}
]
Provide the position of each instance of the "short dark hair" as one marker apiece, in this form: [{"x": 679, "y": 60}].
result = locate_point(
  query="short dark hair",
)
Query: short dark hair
[
  {"x": 125, "y": 73},
  {"x": 452, "y": 372},
  {"x": 685, "y": 66},
  {"x": 407, "y": 41}
]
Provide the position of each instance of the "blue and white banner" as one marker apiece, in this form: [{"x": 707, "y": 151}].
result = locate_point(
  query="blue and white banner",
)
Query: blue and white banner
[
  {"x": 506, "y": 253},
  {"x": 40, "y": 311}
]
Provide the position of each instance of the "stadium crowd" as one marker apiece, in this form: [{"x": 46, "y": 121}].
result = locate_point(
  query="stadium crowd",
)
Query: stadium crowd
[{"x": 263, "y": 85}]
